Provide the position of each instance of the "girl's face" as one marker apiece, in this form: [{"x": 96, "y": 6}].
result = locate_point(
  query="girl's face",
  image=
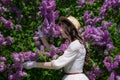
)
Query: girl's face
[{"x": 63, "y": 34}]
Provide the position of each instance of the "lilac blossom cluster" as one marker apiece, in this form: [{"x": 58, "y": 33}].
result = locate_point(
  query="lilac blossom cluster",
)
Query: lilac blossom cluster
[
  {"x": 82, "y": 3},
  {"x": 2, "y": 63},
  {"x": 18, "y": 27},
  {"x": 36, "y": 38},
  {"x": 6, "y": 2},
  {"x": 112, "y": 66},
  {"x": 114, "y": 76},
  {"x": 19, "y": 58},
  {"x": 2, "y": 9},
  {"x": 89, "y": 21},
  {"x": 23, "y": 56},
  {"x": 108, "y": 4},
  {"x": 49, "y": 13},
  {"x": 95, "y": 73},
  {"x": 98, "y": 36},
  {"x": 6, "y": 41},
  {"x": 55, "y": 51},
  {"x": 50, "y": 28},
  {"x": 17, "y": 11},
  {"x": 7, "y": 23}
]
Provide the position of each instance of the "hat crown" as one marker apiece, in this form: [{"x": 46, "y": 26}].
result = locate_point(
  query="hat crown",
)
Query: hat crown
[{"x": 72, "y": 20}]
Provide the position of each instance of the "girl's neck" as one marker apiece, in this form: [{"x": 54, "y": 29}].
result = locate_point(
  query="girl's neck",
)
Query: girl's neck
[{"x": 70, "y": 39}]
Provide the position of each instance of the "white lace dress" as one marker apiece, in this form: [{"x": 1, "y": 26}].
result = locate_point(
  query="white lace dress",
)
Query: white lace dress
[{"x": 72, "y": 61}]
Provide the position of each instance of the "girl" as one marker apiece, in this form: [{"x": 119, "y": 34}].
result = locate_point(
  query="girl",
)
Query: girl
[{"x": 72, "y": 61}]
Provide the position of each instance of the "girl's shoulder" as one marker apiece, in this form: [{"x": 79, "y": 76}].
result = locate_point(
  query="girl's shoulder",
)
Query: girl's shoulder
[{"x": 75, "y": 44}]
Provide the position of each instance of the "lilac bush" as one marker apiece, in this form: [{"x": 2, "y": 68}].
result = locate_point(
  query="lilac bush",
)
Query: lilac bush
[
  {"x": 19, "y": 58},
  {"x": 50, "y": 14},
  {"x": 20, "y": 41}
]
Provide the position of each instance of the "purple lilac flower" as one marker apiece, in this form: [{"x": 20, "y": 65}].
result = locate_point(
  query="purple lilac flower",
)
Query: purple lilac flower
[
  {"x": 110, "y": 47},
  {"x": 17, "y": 75},
  {"x": 22, "y": 74},
  {"x": 112, "y": 76},
  {"x": 1, "y": 39},
  {"x": 36, "y": 34},
  {"x": 91, "y": 21},
  {"x": 108, "y": 4},
  {"x": 41, "y": 48},
  {"x": 7, "y": 2},
  {"x": 37, "y": 43},
  {"x": 9, "y": 40},
  {"x": 98, "y": 36},
  {"x": 87, "y": 15},
  {"x": 117, "y": 58},
  {"x": 16, "y": 57},
  {"x": 18, "y": 27},
  {"x": 81, "y": 3},
  {"x": 35, "y": 38},
  {"x": 106, "y": 52},
  {"x": 19, "y": 58},
  {"x": 117, "y": 77},
  {"x": 94, "y": 73},
  {"x": 107, "y": 62},
  {"x": 2, "y": 59},
  {"x": 17, "y": 11},
  {"x": 48, "y": 54},
  {"x": 2, "y": 63},
  {"x": 54, "y": 51},
  {"x": 4, "y": 43},
  {"x": 2, "y": 66},
  {"x": 50, "y": 15},
  {"x": 7, "y": 23},
  {"x": 2, "y": 10},
  {"x": 64, "y": 46},
  {"x": 114, "y": 65},
  {"x": 105, "y": 25},
  {"x": 23, "y": 56},
  {"x": 91, "y": 1}
]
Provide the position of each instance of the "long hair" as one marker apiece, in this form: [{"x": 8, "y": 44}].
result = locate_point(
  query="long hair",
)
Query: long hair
[{"x": 73, "y": 34}]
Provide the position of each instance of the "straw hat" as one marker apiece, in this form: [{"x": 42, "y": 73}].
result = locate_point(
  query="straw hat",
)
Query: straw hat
[{"x": 72, "y": 20}]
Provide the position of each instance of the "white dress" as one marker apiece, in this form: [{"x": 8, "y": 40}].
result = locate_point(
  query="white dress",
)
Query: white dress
[{"x": 72, "y": 61}]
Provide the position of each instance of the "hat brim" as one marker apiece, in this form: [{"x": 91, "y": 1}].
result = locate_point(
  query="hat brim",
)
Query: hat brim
[{"x": 62, "y": 18}]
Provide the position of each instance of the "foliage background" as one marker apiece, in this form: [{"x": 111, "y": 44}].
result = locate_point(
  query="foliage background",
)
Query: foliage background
[{"x": 23, "y": 39}]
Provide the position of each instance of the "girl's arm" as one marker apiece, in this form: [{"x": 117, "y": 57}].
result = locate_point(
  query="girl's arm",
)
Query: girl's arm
[
  {"x": 45, "y": 42},
  {"x": 45, "y": 65},
  {"x": 34, "y": 64},
  {"x": 43, "y": 39}
]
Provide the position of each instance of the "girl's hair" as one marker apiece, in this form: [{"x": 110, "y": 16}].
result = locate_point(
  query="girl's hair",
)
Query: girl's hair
[{"x": 73, "y": 34}]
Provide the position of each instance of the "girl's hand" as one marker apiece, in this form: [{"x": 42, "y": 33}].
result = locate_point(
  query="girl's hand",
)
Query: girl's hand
[
  {"x": 29, "y": 64},
  {"x": 43, "y": 38},
  {"x": 40, "y": 32}
]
